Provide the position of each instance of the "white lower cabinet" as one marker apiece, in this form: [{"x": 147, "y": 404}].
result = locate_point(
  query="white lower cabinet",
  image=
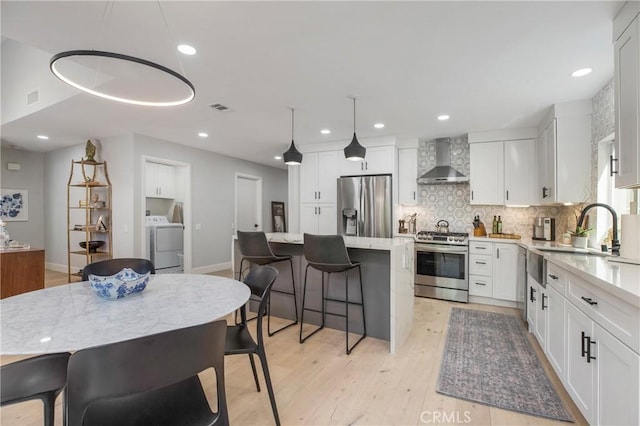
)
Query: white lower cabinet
[
  {"x": 599, "y": 371},
  {"x": 493, "y": 270},
  {"x": 318, "y": 218},
  {"x": 603, "y": 374},
  {"x": 556, "y": 340}
]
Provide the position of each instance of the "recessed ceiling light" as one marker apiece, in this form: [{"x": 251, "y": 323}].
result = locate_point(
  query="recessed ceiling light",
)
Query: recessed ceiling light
[
  {"x": 43, "y": 137},
  {"x": 581, "y": 72},
  {"x": 203, "y": 135},
  {"x": 277, "y": 157},
  {"x": 325, "y": 131},
  {"x": 186, "y": 49},
  {"x": 379, "y": 125},
  {"x": 443, "y": 117}
]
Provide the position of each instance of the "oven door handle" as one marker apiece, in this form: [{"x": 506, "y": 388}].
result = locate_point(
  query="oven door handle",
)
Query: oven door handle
[{"x": 439, "y": 249}]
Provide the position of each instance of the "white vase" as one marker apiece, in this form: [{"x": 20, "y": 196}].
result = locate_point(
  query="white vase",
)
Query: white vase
[{"x": 579, "y": 242}]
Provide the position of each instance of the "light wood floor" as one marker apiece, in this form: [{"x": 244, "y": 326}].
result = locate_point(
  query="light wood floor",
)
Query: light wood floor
[{"x": 317, "y": 384}]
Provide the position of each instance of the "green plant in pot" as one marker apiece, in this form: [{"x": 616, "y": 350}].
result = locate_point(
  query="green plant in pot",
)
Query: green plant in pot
[{"x": 580, "y": 236}]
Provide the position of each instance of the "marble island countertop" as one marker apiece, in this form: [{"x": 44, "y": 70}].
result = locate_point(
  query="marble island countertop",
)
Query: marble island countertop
[{"x": 350, "y": 242}]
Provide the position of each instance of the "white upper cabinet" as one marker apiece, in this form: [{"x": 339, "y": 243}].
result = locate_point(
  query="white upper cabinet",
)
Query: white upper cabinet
[
  {"x": 503, "y": 173},
  {"x": 486, "y": 171},
  {"x": 378, "y": 160},
  {"x": 160, "y": 180},
  {"x": 318, "y": 174},
  {"x": 407, "y": 176},
  {"x": 627, "y": 97},
  {"x": 564, "y": 157}
]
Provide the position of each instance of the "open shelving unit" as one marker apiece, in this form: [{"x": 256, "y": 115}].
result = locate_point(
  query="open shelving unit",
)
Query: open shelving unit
[{"x": 88, "y": 213}]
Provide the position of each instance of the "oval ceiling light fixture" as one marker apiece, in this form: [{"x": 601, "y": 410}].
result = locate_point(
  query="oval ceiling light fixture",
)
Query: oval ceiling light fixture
[
  {"x": 43, "y": 137},
  {"x": 186, "y": 49},
  {"x": 354, "y": 151},
  {"x": 379, "y": 125},
  {"x": 191, "y": 93},
  {"x": 581, "y": 72},
  {"x": 292, "y": 157},
  {"x": 443, "y": 117},
  {"x": 325, "y": 131},
  {"x": 203, "y": 135}
]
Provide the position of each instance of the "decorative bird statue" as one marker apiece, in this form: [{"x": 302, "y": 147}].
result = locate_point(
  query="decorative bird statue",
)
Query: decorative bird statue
[{"x": 90, "y": 151}]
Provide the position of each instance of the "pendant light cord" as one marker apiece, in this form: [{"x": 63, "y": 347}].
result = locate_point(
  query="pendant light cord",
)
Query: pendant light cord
[
  {"x": 171, "y": 38},
  {"x": 354, "y": 115},
  {"x": 292, "y": 121}
]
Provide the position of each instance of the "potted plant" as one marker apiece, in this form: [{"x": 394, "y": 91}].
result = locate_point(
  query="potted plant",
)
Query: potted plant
[{"x": 580, "y": 236}]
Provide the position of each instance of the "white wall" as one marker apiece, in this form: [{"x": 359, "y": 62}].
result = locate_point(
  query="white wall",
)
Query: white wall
[
  {"x": 212, "y": 196},
  {"x": 31, "y": 178}
]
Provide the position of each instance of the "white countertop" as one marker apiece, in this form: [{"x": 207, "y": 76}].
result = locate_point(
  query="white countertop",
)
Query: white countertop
[
  {"x": 350, "y": 242},
  {"x": 620, "y": 279}
]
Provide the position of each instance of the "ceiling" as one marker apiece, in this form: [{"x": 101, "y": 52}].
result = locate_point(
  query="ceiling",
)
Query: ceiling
[{"x": 489, "y": 65}]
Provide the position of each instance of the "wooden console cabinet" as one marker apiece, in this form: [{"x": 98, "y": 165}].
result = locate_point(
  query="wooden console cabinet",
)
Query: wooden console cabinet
[{"x": 22, "y": 271}]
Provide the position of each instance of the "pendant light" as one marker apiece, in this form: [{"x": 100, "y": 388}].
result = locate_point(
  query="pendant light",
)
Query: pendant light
[
  {"x": 354, "y": 151},
  {"x": 292, "y": 157},
  {"x": 61, "y": 66}
]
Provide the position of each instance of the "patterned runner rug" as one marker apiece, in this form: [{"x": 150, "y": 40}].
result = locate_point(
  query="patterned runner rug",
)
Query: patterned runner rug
[{"x": 488, "y": 359}]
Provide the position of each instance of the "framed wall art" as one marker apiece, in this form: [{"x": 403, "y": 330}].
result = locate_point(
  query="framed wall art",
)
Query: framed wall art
[
  {"x": 14, "y": 205},
  {"x": 278, "y": 223}
]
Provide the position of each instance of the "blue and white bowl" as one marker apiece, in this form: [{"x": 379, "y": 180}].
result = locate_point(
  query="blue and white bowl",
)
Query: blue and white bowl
[{"x": 122, "y": 284}]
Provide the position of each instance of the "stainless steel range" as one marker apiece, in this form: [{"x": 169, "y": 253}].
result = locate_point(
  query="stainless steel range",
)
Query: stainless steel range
[{"x": 442, "y": 264}]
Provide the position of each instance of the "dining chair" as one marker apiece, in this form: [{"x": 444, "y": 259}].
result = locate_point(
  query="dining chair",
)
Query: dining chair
[
  {"x": 255, "y": 249},
  {"x": 151, "y": 380},
  {"x": 328, "y": 254},
  {"x": 239, "y": 340},
  {"x": 113, "y": 266},
  {"x": 41, "y": 377}
]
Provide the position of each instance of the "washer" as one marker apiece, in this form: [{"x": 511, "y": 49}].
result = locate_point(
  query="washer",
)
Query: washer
[{"x": 164, "y": 242}]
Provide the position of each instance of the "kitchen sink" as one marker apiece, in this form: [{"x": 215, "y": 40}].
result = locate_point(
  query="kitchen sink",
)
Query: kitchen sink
[{"x": 573, "y": 250}]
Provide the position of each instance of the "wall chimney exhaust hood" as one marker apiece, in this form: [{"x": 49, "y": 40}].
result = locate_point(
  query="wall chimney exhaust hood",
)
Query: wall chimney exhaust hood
[{"x": 442, "y": 172}]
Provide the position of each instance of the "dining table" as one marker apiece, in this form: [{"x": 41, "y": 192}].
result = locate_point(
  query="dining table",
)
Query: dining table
[{"x": 72, "y": 317}]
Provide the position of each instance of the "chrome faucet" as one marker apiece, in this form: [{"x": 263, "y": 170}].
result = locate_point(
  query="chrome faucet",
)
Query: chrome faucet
[{"x": 615, "y": 243}]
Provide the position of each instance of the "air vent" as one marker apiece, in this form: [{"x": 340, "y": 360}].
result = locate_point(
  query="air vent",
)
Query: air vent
[
  {"x": 33, "y": 97},
  {"x": 219, "y": 107}
]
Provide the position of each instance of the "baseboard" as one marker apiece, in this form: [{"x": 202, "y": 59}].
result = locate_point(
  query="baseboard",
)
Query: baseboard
[
  {"x": 211, "y": 268},
  {"x": 56, "y": 267},
  {"x": 495, "y": 302}
]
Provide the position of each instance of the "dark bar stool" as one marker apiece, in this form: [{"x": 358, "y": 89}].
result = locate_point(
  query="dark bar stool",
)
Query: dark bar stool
[
  {"x": 328, "y": 254},
  {"x": 255, "y": 249}
]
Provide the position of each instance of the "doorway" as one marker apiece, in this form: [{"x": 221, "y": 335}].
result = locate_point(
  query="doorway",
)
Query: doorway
[
  {"x": 174, "y": 177},
  {"x": 248, "y": 203}
]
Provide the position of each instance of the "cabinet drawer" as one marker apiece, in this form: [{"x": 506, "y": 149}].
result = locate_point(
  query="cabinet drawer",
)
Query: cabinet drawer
[
  {"x": 614, "y": 315},
  {"x": 480, "y": 286},
  {"x": 479, "y": 247},
  {"x": 556, "y": 278},
  {"x": 480, "y": 265}
]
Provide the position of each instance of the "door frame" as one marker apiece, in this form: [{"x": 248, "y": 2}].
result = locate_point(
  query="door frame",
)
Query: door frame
[
  {"x": 186, "y": 206},
  {"x": 258, "y": 180}
]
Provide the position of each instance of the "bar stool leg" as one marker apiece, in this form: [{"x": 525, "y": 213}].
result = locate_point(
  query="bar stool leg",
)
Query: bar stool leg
[
  {"x": 364, "y": 324},
  {"x": 295, "y": 305},
  {"x": 304, "y": 308}
]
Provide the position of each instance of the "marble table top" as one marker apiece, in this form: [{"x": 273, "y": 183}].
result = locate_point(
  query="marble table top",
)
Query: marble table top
[{"x": 72, "y": 317}]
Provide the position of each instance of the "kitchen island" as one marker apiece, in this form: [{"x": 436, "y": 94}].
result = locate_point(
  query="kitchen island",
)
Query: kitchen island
[
  {"x": 387, "y": 280},
  {"x": 22, "y": 271}
]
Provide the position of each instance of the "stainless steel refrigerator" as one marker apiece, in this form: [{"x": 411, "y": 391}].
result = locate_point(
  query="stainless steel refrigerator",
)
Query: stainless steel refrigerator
[{"x": 365, "y": 206}]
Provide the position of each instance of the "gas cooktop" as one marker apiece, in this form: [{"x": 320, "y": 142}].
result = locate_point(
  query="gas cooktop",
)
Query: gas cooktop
[{"x": 432, "y": 237}]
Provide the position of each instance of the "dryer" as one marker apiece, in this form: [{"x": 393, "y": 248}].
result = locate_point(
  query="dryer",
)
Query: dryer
[{"x": 165, "y": 241}]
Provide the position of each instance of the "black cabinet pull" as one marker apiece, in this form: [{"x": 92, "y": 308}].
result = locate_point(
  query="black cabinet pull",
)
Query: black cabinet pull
[
  {"x": 480, "y": 263},
  {"x": 472, "y": 195},
  {"x": 584, "y": 350},
  {"x": 480, "y": 283},
  {"x": 589, "y": 343},
  {"x": 544, "y": 192},
  {"x": 507, "y": 195},
  {"x": 414, "y": 195},
  {"x": 589, "y": 300},
  {"x": 532, "y": 294},
  {"x": 611, "y": 160},
  {"x": 543, "y": 305},
  {"x": 555, "y": 277}
]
